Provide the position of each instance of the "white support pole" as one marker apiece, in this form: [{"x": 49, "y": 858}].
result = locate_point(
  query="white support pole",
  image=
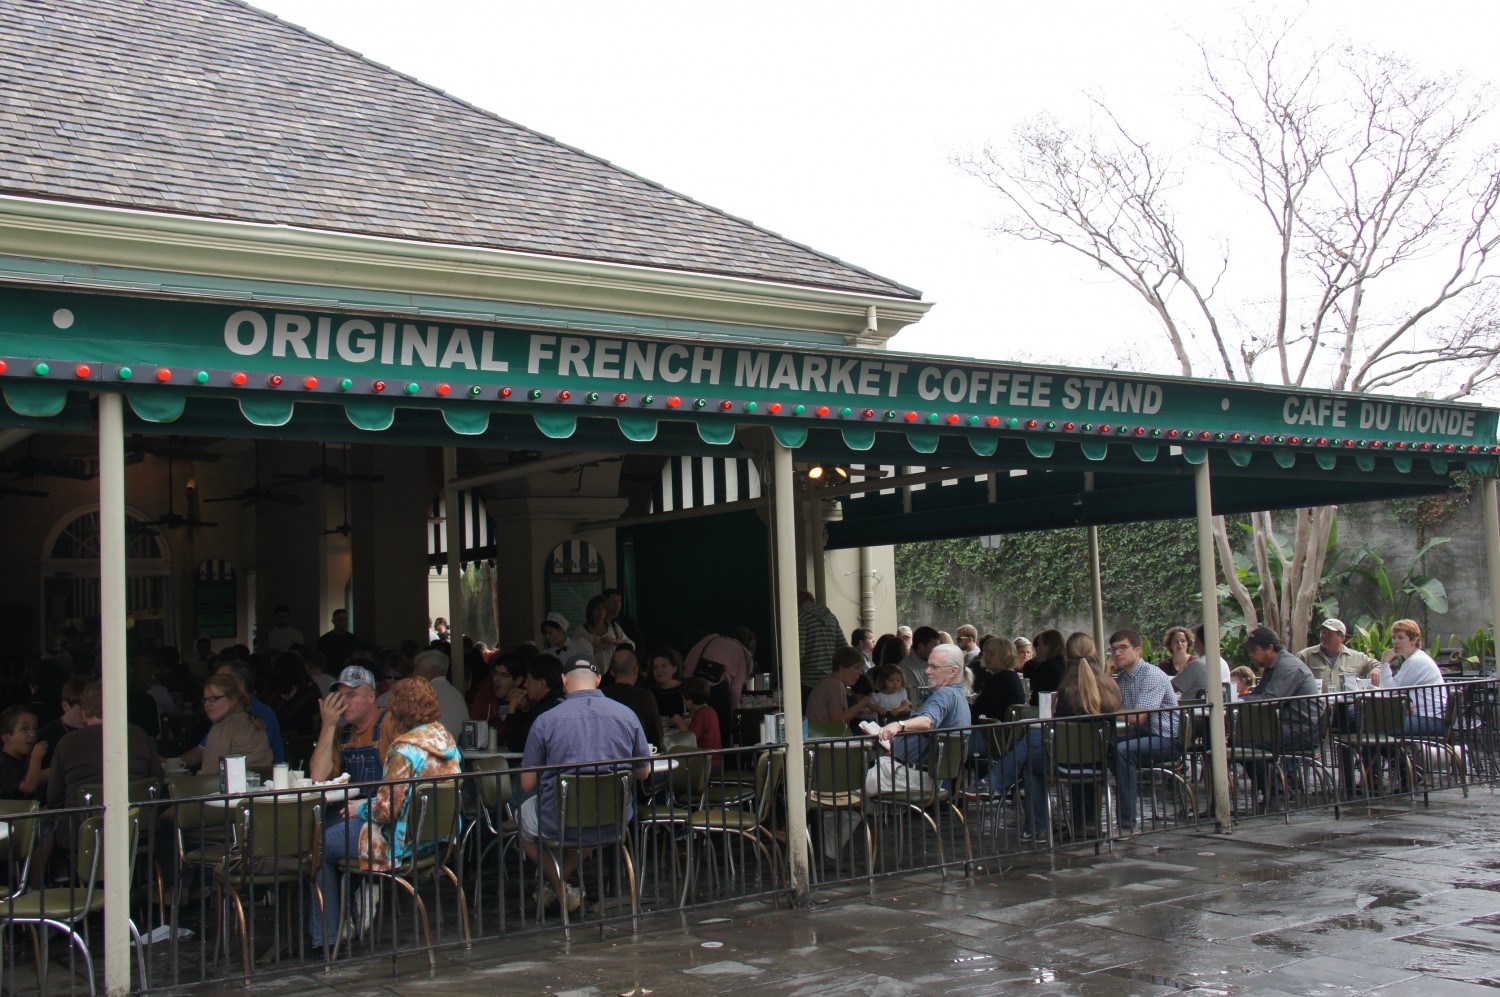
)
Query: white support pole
[
  {"x": 784, "y": 526},
  {"x": 1492, "y": 552},
  {"x": 117, "y": 857},
  {"x": 815, "y": 549},
  {"x": 453, "y": 531},
  {"x": 1208, "y": 583},
  {"x": 1096, "y": 580},
  {"x": 1096, "y": 592}
]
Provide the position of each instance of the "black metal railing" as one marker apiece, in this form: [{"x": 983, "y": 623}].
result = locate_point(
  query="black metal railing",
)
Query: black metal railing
[{"x": 231, "y": 888}]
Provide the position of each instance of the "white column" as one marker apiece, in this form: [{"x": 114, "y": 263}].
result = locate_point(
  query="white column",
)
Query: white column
[
  {"x": 1492, "y": 549},
  {"x": 815, "y": 549},
  {"x": 453, "y": 530},
  {"x": 1208, "y": 584},
  {"x": 1096, "y": 593},
  {"x": 1096, "y": 581},
  {"x": 784, "y": 527},
  {"x": 117, "y": 857}
]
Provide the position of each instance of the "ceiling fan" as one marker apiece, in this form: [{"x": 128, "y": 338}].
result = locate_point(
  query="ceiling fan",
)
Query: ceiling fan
[
  {"x": 169, "y": 520},
  {"x": 172, "y": 447},
  {"x": 256, "y": 493},
  {"x": 329, "y": 475},
  {"x": 31, "y": 465},
  {"x": 343, "y": 529}
]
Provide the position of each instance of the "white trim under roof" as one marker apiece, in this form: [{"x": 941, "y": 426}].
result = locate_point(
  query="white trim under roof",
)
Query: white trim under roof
[{"x": 109, "y": 236}]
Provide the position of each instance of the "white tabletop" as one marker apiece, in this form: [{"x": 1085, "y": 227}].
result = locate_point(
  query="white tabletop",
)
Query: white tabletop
[{"x": 265, "y": 794}]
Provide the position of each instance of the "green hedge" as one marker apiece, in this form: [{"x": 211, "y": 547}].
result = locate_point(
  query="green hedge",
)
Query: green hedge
[{"x": 1150, "y": 575}]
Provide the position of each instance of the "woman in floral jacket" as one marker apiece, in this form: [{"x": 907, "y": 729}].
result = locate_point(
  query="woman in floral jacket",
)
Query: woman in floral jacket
[{"x": 380, "y": 831}]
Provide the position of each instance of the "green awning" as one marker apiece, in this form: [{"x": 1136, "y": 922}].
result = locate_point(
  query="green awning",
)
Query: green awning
[{"x": 195, "y": 367}]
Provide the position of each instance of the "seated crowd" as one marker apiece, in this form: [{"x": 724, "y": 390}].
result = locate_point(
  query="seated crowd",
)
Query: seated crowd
[{"x": 592, "y": 693}]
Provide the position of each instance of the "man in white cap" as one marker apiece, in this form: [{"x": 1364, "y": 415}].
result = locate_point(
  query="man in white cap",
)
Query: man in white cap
[
  {"x": 556, "y": 642},
  {"x": 1331, "y": 657}
]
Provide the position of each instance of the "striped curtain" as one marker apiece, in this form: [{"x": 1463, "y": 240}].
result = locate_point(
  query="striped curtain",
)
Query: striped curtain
[
  {"x": 694, "y": 482},
  {"x": 476, "y": 531}
]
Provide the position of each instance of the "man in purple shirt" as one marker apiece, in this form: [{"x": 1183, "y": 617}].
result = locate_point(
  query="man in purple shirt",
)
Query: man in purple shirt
[{"x": 588, "y": 733}]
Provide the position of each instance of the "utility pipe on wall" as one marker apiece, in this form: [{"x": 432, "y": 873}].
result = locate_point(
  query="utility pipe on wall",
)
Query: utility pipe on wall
[{"x": 453, "y": 531}]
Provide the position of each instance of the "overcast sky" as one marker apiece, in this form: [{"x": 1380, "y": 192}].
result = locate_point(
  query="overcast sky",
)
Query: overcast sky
[{"x": 834, "y": 123}]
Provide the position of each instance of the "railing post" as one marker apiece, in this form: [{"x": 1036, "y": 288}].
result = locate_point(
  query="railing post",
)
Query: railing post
[{"x": 1208, "y": 581}]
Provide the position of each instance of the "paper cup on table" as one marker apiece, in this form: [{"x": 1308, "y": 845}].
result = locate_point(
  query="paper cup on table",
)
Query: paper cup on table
[
  {"x": 1044, "y": 705},
  {"x": 281, "y": 777},
  {"x": 494, "y": 739}
]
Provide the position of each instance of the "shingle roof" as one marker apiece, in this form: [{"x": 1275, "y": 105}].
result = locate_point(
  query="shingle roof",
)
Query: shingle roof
[{"x": 213, "y": 108}]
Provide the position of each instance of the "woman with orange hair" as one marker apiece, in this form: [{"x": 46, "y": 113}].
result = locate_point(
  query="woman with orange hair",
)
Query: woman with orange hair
[{"x": 380, "y": 832}]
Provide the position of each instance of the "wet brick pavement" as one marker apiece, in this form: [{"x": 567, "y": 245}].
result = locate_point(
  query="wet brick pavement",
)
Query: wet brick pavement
[{"x": 1384, "y": 901}]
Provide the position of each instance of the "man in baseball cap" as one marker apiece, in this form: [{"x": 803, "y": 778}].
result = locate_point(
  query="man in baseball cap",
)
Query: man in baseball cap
[
  {"x": 1331, "y": 658},
  {"x": 1284, "y": 675},
  {"x": 354, "y": 736}
]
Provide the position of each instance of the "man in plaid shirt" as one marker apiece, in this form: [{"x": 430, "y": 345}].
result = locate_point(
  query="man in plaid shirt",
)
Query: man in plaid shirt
[{"x": 1150, "y": 738}]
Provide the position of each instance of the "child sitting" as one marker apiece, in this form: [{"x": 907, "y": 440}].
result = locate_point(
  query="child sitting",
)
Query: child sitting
[
  {"x": 699, "y": 718},
  {"x": 889, "y": 698},
  {"x": 21, "y": 774}
]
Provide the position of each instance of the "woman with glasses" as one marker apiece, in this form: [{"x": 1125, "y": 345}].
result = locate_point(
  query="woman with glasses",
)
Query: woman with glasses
[{"x": 235, "y": 730}]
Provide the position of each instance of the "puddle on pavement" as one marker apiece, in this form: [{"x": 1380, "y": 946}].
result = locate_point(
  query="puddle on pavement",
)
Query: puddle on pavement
[{"x": 1396, "y": 898}]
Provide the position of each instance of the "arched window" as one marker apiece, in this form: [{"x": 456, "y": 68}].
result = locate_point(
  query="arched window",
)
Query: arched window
[
  {"x": 574, "y": 574},
  {"x": 70, "y": 583}
]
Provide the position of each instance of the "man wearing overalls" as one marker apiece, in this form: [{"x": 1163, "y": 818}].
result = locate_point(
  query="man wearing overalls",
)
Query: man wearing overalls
[{"x": 362, "y": 733}]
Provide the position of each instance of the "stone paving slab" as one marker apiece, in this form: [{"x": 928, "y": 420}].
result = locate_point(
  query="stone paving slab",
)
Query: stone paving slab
[{"x": 1384, "y": 902}]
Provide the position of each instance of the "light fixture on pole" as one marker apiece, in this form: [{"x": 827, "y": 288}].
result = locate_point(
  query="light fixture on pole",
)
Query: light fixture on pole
[{"x": 822, "y": 474}]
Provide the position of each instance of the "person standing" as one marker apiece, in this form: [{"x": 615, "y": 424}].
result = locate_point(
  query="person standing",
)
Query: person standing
[
  {"x": 818, "y": 636},
  {"x": 283, "y": 636},
  {"x": 338, "y": 644},
  {"x": 614, "y": 611}
]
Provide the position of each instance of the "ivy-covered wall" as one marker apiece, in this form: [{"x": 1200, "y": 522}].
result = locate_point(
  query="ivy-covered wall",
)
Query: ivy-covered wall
[{"x": 1032, "y": 581}]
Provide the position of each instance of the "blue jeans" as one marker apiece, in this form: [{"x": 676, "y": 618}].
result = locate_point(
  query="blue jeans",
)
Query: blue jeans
[
  {"x": 1130, "y": 755},
  {"x": 1027, "y": 760},
  {"x": 340, "y": 841},
  {"x": 1420, "y": 726}
]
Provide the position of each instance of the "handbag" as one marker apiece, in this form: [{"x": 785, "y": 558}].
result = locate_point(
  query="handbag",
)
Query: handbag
[{"x": 889, "y": 775}]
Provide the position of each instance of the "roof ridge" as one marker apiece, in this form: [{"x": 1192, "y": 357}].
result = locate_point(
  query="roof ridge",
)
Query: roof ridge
[{"x": 913, "y": 292}]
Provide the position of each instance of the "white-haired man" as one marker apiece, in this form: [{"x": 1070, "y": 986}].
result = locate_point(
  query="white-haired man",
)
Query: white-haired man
[
  {"x": 945, "y": 708},
  {"x": 432, "y": 665}
]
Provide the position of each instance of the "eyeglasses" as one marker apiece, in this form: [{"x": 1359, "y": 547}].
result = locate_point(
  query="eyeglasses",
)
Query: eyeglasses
[
  {"x": 21, "y": 730},
  {"x": 212, "y": 699},
  {"x": 1120, "y": 648}
]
